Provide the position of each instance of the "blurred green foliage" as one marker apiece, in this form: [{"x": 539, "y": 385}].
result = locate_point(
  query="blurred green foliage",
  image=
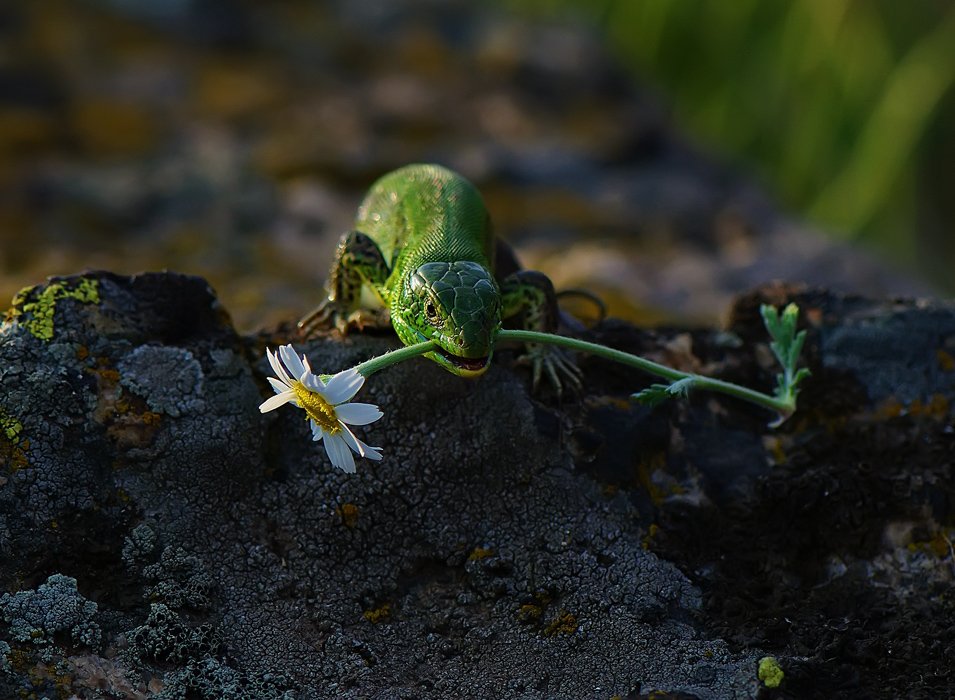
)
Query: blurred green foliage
[{"x": 845, "y": 107}]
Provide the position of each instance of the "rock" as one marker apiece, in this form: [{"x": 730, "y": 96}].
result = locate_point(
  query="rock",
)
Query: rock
[{"x": 506, "y": 547}]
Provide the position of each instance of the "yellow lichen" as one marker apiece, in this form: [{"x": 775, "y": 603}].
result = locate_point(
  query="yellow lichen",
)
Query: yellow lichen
[
  {"x": 940, "y": 545},
  {"x": 889, "y": 408},
  {"x": 529, "y": 612},
  {"x": 564, "y": 623},
  {"x": 479, "y": 553},
  {"x": 37, "y": 315},
  {"x": 379, "y": 614},
  {"x": 945, "y": 361},
  {"x": 10, "y": 426},
  {"x": 774, "y": 446},
  {"x": 150, "y": 418},
  {"x": 936, "y": 406},
  {"x": 14, "y": 311},
  {"x": 12, "y": 446},
  {"x": 647, "y": 471},
  {"x": 770, "y": 672},
  {"x": 348, "y": 512}
]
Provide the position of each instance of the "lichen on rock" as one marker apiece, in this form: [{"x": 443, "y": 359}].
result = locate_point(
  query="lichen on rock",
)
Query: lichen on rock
[
  {"x": 34, "y": 307},
  {"x": 169, "y": 378},
  {"x": 36, "y": 616}
]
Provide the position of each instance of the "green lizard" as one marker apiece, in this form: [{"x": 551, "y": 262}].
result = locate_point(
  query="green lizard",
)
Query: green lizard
[{"x": 423, "y": 245}]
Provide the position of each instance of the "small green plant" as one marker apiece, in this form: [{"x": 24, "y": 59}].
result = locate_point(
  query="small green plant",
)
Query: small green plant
[
  {"x": 325, "y": 399},
  {"x": 786, "y": 345}
]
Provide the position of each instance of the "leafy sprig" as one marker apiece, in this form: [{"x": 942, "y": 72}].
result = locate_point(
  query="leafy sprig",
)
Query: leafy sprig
[{"x": 786, "y": 345}]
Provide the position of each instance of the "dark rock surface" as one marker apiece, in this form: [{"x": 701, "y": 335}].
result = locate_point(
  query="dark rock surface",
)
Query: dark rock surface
[{"x": 159, "y": 536}]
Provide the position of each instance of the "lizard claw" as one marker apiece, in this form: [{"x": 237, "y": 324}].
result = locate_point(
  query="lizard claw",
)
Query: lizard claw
[
  {"x": 557, "y": 363},
  {"x": 330, "y": 314},
  {"x": 325, "y": 315}
]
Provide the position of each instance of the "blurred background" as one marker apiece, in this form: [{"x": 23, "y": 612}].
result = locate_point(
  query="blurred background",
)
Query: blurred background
[{"x": 664, "y": 154}]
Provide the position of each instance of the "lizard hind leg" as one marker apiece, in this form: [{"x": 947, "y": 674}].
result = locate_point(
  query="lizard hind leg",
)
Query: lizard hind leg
[{"x": 358, "y": 262}]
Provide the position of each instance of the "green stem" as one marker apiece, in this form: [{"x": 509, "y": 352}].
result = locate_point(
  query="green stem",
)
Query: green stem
[
  {"x": 369, "y": 367},
  {"x": 783, "y": 407}
]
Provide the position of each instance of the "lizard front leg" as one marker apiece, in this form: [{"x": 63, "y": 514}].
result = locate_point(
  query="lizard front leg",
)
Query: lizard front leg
[
  {"x": 358, "y": 261},
  {"x": 530, "y": 295}
]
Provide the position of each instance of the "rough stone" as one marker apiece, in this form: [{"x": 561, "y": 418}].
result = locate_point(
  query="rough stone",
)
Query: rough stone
[{"x": 507, "y": 546}]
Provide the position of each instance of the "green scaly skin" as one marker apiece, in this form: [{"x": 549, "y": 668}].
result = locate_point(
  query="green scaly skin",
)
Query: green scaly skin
[{"x": 423, "y": 245}]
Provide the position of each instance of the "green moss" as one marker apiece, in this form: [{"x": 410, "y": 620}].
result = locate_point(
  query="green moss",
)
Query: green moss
[
  {"x": 770, "y": 672},
  {"x": 36, "y": 315}
]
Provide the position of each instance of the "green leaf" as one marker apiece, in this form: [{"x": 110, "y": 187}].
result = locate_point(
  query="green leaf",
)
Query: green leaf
[
  {"x": 655, "y": 394},
  {"x": 786, "y": 345}
]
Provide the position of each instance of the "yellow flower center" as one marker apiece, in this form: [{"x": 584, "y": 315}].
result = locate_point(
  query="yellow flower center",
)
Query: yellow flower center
[{"x": 317, "y": 408}]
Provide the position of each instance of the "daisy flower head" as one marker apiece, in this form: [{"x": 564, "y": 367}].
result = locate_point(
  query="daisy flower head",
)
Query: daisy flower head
[{"x": 326, "y": 405}]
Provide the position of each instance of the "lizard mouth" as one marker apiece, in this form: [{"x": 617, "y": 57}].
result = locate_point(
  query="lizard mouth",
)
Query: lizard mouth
[{"x": 468, "y": 365}]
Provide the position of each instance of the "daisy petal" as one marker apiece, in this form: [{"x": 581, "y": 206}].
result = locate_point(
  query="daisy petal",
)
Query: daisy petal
[
  {"x": 314, "y": 383},
  {"x": 371, "y": 453},
  {"x": 348, "y": 462},
  {"x": 350, "y": 440},
  {"x": 278, "y": 385},
  {"x": 343, "y": 386},
  {"x": 273, "y": 402},
  {"x": 339, "y": 454},
  {"x": 317, "y": 432},
  {"x": 360, "y": 447},
  {"x": 331, "y": 449},
  {"x": 292, "y": 361},
  {"x": 358, "y": 413},
  {"x": 277, "y": 367}
]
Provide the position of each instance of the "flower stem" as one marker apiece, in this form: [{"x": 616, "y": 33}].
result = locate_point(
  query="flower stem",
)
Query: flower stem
[
  {"x": 696, "y": 381},
  {"x": 393, "y": 357},
  {"x": 784, "y": 407}
]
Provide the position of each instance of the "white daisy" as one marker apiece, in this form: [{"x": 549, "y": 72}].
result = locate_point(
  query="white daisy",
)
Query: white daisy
[{"x": 325, "y": 404}]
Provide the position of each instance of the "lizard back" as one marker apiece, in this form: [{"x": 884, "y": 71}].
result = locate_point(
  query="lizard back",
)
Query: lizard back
[{"x": 426, "y": 213}]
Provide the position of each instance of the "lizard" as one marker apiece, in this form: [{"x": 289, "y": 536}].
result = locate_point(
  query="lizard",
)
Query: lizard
[{"x": 422, "y": 243}]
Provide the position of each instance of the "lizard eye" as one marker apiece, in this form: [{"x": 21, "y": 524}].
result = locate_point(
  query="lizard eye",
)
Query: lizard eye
[{"x": 430, "y": 310}]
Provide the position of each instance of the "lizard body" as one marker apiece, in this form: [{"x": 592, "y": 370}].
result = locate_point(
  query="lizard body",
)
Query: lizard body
[{"x": 424, "y": 246}]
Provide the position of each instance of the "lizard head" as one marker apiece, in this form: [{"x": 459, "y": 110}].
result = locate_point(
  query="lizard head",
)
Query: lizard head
[{"x": 455, "y": 304}]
